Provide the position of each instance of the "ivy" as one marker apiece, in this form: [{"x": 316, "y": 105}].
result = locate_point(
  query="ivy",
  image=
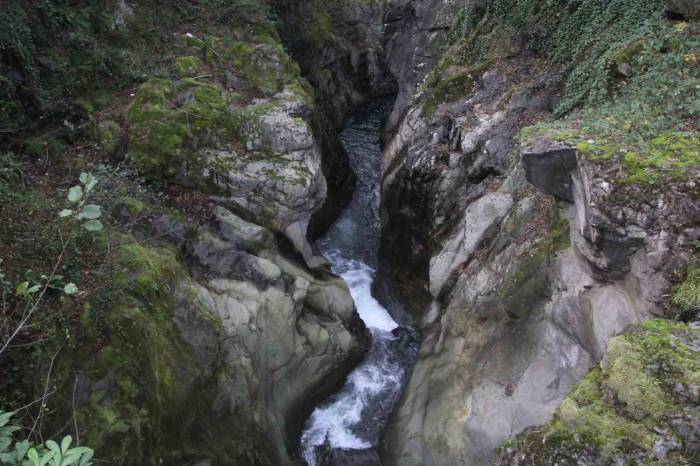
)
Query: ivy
[{"x": 580, "y": 36}]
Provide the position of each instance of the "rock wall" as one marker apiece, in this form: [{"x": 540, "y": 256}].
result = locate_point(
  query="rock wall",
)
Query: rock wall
[
  {"x": 288, "y": 331},
  {"x": 519, "y": 256},
  {"x": 232, "y": 339},
  {"x": 217, "y": 329},
  {"x": 640, "y": 404}
]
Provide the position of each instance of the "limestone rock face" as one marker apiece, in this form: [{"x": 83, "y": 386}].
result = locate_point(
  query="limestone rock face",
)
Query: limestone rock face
[
  {"x": 273, "y": 331},
  {"x": 279, "y": 182},
  {"x": 640, "y": 403},
  {"x": 414, "y": 34},
  {"x": 548, "y": 166},
  {"x": 517, "y": 291},
  {"x": 287, "y": 336},
  {"x": 276, "y": 179}
]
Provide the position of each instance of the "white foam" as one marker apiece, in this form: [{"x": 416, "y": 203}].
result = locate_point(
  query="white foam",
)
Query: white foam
[
  {"x": 333, "y": 422},
  {"x": 359, "y": 278}
]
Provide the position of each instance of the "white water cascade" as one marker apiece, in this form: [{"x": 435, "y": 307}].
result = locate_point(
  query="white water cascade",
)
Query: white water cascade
[{"x": 354, "y": 418}]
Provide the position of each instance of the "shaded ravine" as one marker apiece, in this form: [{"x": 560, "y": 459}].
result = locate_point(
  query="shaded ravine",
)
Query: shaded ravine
[{"x": 344, "y": 429}]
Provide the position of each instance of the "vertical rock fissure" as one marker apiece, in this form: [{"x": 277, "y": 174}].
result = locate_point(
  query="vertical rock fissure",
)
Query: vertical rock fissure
[{"x": 346, "y": 428}]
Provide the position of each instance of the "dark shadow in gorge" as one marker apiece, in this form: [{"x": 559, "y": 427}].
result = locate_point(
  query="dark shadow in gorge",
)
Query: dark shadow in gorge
[
  {"x": 347, "y": 427},
  {"x": 346, "y": 72}
]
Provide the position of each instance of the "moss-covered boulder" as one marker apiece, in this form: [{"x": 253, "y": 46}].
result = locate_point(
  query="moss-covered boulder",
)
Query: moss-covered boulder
[
  {"x": 261, "y": 154},
  {"x": 218, "y": 355},
  {"x": 640, "y": 406},
  {"x": 108, "y": 135},
  {"x": 688, "y": 9}
]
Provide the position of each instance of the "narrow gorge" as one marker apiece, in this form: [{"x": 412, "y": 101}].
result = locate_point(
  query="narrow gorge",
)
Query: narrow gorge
[{"x": 350, "y": 233}]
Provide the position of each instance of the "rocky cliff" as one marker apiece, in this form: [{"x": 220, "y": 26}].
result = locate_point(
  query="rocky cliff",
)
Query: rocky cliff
[
  {"x": 212, "y": 327},
  {"x": 539, "y": 202},
  {"x": 524, "y": 249}
]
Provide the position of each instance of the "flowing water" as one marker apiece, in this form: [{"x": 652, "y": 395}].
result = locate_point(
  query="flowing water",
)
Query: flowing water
[{"x": 355, "y": 417}]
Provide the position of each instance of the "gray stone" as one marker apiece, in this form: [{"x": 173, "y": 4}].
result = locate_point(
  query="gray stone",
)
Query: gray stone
[{"x": 548, "y": 165}]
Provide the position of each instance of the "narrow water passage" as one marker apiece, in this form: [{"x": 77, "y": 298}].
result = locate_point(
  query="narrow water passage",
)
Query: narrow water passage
[{"x": 350, "y": 423}]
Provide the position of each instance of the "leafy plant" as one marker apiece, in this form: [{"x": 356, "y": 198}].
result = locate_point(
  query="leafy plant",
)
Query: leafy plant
[
  {"x": 25, "y": 453},
  {"x": 87, "y": 214},
  {"x": 32, "y": 292}
]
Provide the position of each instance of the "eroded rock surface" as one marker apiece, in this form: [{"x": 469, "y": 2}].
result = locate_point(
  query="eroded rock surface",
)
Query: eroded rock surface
[
  {"x": 640, "y": 403},
  {"x": 286, "y": 333},
  {"x": 517, "y": 293}
]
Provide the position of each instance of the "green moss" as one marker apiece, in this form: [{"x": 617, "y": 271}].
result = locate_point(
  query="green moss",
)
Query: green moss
[
  {"x": 622, "y": 408},
  {"x": 100, "y": 100},
  {"x": 317, "y": 24},
  {"x": 109, "y": 135},
  {"x": 447, "y": 90},
  {"x": 636, "y": 390},
  {"x": 142, "y": 360},
  {"x": 686, "y": 295},
  {"x": 649, "y": 126},
  {"x": 133, "y": 205},
  {"x": 626, "y": 52},
  {"x": 187, "y": 66},
  {"x": 167, "y": 137}
]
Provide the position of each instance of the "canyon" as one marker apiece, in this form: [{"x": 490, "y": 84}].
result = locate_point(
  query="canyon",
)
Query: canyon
[{"x": 395, "y": 233}]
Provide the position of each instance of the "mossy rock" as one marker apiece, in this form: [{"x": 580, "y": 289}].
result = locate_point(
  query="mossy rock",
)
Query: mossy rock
[
  {"x": 145, "y": 379},
  {"x": 166, "y": 136},
  {"x": 686, "y": 295},
  {"x": 187, "y": 67},
  {"x": 109, "y": 135},
  {"x": 640, "y": 397}
]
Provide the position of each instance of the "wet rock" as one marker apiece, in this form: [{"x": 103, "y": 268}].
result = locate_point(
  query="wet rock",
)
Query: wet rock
[
  {"x": 287, "y": 337},
  {"x": 340, "y": 457}
]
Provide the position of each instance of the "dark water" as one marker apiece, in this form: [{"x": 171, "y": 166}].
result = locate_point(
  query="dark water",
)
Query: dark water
[{"x": 345, "y": 429}]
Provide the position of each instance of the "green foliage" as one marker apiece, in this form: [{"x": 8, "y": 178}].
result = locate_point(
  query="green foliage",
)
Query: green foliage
[
  {"x": 187, "y": 66},
  {"x": 582, "y": 37},
  {"x": 24, "y": 453},
  {"x": 621, "y": 410},
  {"x": 86, "y": 214},
  {"x": 57, "y": 50},
  {"x": 686, "y": 295},
  {"x": 650, "y": 126}
]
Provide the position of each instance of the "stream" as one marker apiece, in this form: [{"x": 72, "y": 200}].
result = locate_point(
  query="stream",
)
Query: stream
[{"x": 346, "y": 428}]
